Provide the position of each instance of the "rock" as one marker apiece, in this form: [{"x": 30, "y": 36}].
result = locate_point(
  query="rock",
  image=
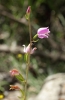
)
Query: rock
[
  {"x": 13, "y": 95},
  {"x": 53, "y": 88}
]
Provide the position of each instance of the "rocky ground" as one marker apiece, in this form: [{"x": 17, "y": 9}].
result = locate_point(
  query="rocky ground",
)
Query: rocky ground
[{"x": 53, "y": 88}]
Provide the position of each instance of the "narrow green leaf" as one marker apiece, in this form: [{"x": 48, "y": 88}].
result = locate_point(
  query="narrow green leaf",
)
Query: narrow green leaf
[
  {"x": 35, "y": 36},
  {"x": 20, "y": 78},
  {"x": 23, "y": 95},
  {"x": 27, "y": 16},
  {"x": 22, "y": 91},
  {"x": 26, "y": 57}
]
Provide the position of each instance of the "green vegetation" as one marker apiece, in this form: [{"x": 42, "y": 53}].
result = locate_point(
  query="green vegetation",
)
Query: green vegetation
[{"x": 50, "y": 55}]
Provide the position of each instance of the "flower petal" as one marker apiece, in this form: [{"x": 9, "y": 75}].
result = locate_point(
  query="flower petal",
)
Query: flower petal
[
  {"x": 14, "y": 72},
  {"x": 43, "y": 32}
]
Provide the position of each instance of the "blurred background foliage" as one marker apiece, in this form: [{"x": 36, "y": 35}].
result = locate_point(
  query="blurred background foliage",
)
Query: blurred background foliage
[{"x": 49, "y": 57}]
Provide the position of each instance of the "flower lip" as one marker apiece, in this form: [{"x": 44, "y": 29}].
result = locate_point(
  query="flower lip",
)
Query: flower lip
[{"x": 43, "y": 32}]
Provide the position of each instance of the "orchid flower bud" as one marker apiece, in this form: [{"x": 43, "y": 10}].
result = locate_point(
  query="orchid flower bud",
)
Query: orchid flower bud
[{"x": 28, "y": 10}]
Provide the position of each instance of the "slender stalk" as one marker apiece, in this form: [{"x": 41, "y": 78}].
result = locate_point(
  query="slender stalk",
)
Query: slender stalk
[
  {"x": 28, "y": 61},
  {"x": 30, "y": 33},
  {"x": 27, "y": 69}
]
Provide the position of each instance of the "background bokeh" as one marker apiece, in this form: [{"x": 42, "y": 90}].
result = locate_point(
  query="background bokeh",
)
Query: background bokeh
[{"x": 49, "y": 58}]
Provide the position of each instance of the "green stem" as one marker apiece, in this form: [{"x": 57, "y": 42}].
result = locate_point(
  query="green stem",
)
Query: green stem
[
  {"x": 28, "y": 61},
  {"x": 30, "y": 33},
  {"x": 27, "y": 70}
]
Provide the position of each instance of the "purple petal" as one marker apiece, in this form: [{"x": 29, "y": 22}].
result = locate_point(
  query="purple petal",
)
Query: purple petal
[
  {"x": 43, "y": 32},
  {"x": 42, "y": 36},
  {"x": 28, "y": 49}
]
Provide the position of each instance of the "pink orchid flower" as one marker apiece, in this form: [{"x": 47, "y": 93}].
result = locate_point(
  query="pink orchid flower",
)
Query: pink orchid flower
[
  {"x": 14, "y": 72},
  {"x": 27, "y": 49},
  {"x": 43, "y": 32}
]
